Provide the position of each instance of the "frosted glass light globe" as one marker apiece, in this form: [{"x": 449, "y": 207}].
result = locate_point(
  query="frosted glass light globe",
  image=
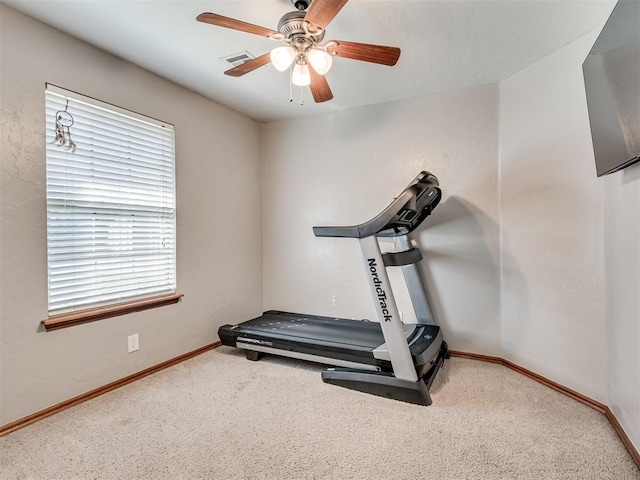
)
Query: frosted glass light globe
[
  {"x": 301, "y": 76},
  {"x": 282, "y": 57},
  {"x": 320, "y": 60}
]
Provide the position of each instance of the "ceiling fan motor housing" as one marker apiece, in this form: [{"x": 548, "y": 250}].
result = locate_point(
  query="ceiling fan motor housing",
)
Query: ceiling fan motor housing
[{"x": 291, "y": 26}]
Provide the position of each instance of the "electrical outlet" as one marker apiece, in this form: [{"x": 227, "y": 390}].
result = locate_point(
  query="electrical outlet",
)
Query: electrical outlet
[{"x": 134, "y": 342}]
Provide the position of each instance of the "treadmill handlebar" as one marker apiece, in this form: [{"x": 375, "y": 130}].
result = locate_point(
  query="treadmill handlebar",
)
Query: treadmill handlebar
[{"x": 405, "y": 203}]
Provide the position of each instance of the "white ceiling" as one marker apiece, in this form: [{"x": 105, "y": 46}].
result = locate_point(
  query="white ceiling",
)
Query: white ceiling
[{"x": 446, "y": 44}]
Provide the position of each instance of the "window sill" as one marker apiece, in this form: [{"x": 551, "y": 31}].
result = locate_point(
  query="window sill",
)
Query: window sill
[{"x": 72, "y": 319}]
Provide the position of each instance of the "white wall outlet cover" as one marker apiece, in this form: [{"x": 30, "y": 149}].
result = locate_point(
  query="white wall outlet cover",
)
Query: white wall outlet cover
[{"x": 133, "y": 342}]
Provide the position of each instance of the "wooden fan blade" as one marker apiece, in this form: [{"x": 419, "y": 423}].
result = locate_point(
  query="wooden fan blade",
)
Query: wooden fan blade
[
  {"x": 321, "y": 12},
  {"x": 249, "y": 66},
  {"x": 319, "y": 87},
  {"x": 220, "y": 21},
  {"x": 366, "y": 52}
]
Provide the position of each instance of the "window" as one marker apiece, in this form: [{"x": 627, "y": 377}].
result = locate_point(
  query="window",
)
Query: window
[{"x": 111, "y": 216}]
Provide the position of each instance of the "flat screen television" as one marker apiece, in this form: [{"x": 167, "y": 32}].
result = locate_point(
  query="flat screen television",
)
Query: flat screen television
[{"x": 612, "y": 82}]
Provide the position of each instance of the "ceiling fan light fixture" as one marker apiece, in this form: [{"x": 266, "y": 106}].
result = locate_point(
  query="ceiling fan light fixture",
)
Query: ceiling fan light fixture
[
  {"x": 301, "y": 76},
  {"x": 307, "y": 59},
  {"x": 320, "y": 60},
  {"x": 282, "y": 57}
]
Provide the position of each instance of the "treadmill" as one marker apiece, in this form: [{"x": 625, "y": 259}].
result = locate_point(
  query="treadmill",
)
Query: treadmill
[{"x": 385, "y": 357}]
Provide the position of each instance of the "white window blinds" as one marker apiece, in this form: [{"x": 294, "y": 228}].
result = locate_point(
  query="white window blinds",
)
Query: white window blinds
[{"x": 111, "y": 235}]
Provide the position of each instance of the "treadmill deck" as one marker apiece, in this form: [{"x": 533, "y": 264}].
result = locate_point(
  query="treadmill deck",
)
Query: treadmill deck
[{"x": 343, "y": 339}]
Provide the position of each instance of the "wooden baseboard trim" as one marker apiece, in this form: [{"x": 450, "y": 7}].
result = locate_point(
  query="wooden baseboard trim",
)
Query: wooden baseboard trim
[
  {"x": 623, "y": 436},
  {"x": 47, "y": 412},
  {"x": 565, "y": 391}
]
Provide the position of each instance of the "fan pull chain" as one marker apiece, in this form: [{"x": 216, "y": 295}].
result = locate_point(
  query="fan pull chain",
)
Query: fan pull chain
[
  {"x": 301, "y": 95},
  {"x": 290, "y": 84}
]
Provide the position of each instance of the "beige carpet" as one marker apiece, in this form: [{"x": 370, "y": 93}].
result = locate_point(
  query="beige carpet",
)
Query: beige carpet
[{"x": 219, "y": 416}]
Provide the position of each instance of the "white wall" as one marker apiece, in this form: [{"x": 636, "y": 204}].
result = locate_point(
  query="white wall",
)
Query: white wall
[
  {"x": 344, "y": 168},
  {"x": 219, "y": 221},
  {"x": 622, "y": 240},
  {"x": 553, "y": 295},
  {"x": 571, "y": 261}
]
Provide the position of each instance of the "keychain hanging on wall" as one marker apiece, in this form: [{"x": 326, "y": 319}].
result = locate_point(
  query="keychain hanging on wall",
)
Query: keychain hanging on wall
[{"x": 64, "y": 121}]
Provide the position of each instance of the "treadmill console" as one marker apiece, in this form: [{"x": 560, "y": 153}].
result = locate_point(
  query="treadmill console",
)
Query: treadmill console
[
  {"x": 426, "y": 197},
  {"x": 402, "y": 216}
]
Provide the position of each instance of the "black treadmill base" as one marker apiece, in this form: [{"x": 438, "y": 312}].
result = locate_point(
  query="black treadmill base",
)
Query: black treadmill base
[
  {"x": 384, "y": 384},
  {"x": 381, "y": 384}
]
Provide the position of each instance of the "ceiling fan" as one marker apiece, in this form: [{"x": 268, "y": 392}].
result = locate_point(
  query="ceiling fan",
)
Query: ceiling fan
[{"x": 303, "y": 31}]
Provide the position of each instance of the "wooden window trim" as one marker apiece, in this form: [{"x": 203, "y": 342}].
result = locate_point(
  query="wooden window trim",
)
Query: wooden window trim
[{"x": 69, "y": 320}]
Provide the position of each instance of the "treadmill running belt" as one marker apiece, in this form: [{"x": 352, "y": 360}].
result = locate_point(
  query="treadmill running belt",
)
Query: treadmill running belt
[{"x": 356, "y": 334}]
